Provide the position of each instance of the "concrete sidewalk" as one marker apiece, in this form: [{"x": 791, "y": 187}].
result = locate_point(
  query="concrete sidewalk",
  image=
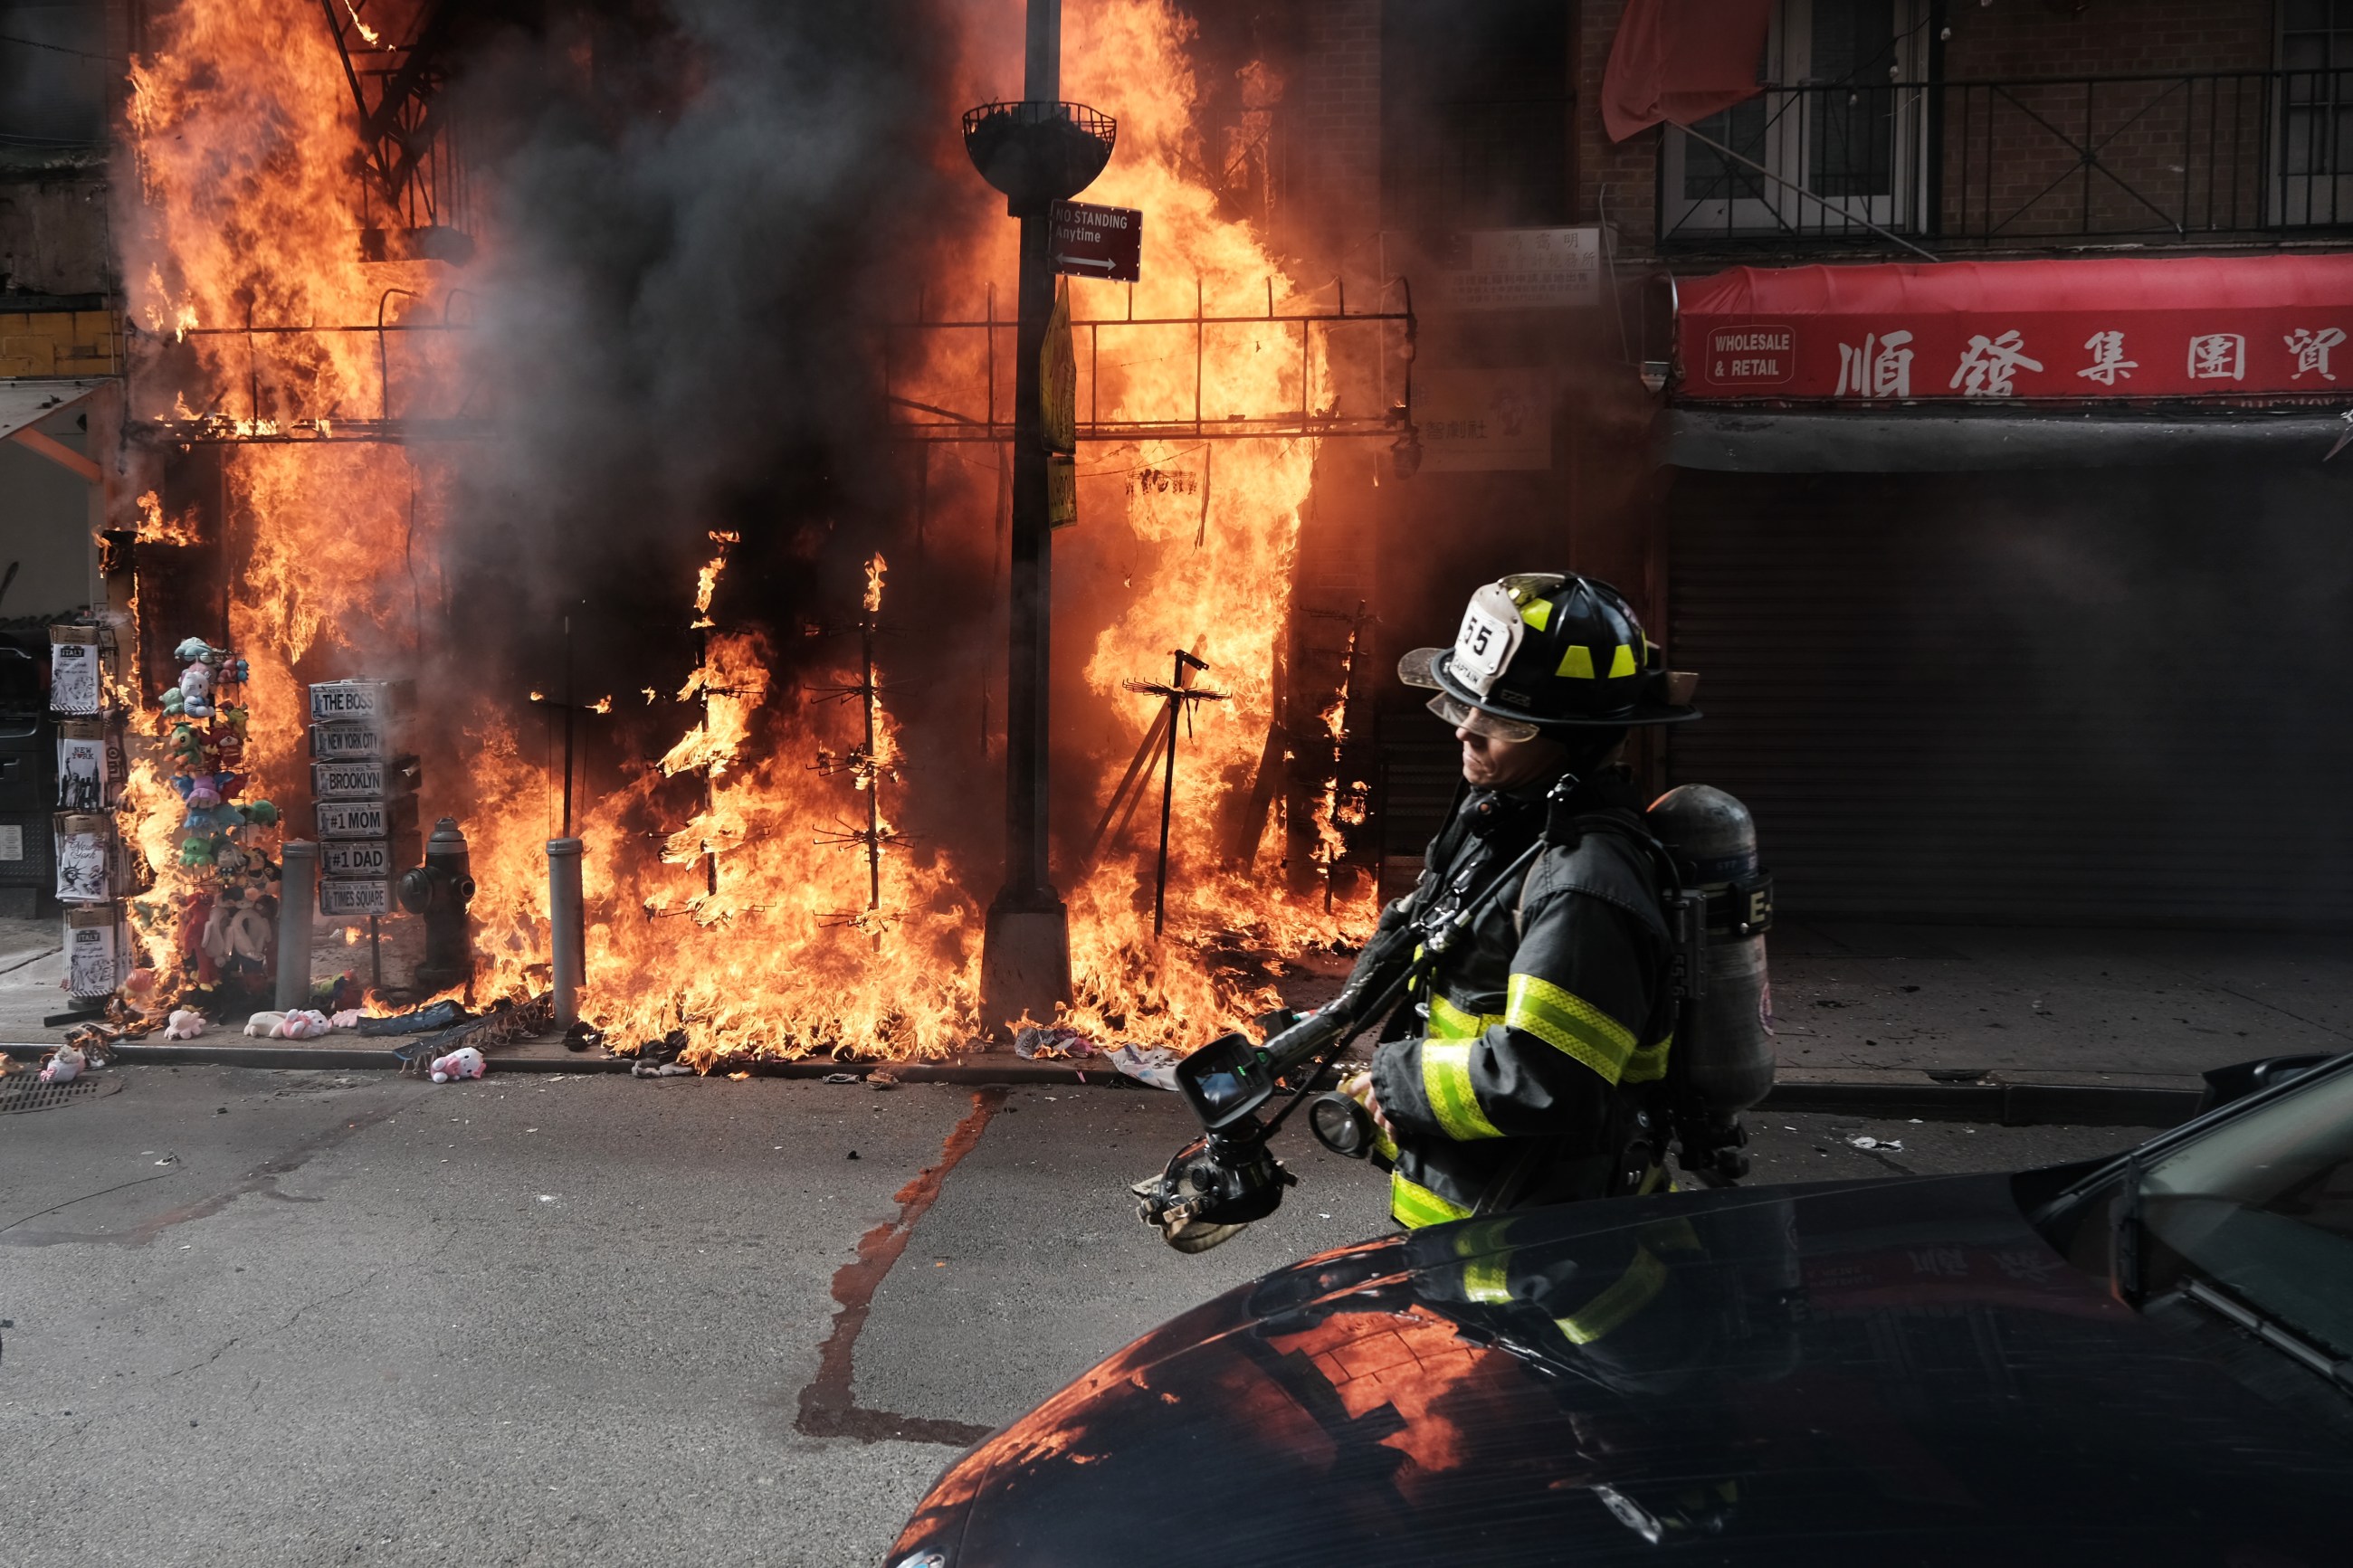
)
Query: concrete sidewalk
[
  {"x": 1859, "y": 1002},
  {"x": 1962, "y": 1021}
]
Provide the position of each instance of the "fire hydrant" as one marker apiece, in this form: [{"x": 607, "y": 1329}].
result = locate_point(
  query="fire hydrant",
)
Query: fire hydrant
[{"x": 439, "y": 890}]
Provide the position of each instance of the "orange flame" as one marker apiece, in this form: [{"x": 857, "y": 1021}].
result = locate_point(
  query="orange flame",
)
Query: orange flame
[{"x": 740, "y": 887}]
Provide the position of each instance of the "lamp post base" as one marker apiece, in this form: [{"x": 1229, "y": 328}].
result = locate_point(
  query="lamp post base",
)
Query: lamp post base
[{"x": 1025, "y": 960}]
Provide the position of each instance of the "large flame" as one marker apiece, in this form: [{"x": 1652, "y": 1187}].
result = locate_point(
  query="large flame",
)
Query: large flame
[{"x": 748, "y": 883}]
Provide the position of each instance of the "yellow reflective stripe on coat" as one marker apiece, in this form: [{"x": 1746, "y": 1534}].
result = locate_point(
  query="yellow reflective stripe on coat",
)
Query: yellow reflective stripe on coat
[
  {"x": 1627, "y": 1295},
  {"x": 1488, "y": 1280},
  {"x": 1446, "y": 1079},
  {"x": 1448, "y": 1022},
  {"x": 1569, "y": 1023},
  {"x": 1650, "y": 1064},
  {"x": 1413, "y": 1205}
]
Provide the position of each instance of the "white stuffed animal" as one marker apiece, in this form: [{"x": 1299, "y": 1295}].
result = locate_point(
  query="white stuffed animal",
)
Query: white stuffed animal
[
  {"x": 463, "y": 1062},
  {"x": 64, "y": 1065},
  {"x": 307, "y": 1024},
  {"x": 185, "y": 1024},
  {"x": 264, "y": 1025}
]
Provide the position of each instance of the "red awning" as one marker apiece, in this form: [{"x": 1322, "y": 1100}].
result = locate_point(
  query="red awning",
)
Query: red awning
[
  {"x": 1681, "y": 60},
  {"x": 2107, "y": 328}
]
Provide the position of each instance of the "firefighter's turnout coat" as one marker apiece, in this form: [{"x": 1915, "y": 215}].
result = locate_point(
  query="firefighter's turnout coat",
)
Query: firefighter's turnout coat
[{"x": 1523, "y": 1073}]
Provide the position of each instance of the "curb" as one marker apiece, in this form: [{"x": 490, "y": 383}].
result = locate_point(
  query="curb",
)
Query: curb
[
  {"x": 1999, "y": 1104},
  {"x": 257, "y": 1054}
]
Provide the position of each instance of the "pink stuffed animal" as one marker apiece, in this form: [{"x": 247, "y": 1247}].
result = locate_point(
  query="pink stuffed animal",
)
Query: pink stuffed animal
[{"x": 463, "y": 1062}]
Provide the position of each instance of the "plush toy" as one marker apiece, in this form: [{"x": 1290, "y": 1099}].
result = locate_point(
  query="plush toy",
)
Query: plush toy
[
  {"x": 261, "y": 813},
  {"x": 196, "y": 852},
  {"x": 64, "y": 1066},
  {"x": 184, "y": 1025},
  {"x": 235, "y": 932},
  {"x": 304, "y": 1025},
  {"x": 463, "y": 1062}
]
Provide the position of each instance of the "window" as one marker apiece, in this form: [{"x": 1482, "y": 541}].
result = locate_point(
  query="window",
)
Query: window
[
  {"x": 1475, "y": 127},
  {"x": 53, "y": 76},
  {"x": 1835, "y": 137},
  {"x": 2316, "y": 113}
]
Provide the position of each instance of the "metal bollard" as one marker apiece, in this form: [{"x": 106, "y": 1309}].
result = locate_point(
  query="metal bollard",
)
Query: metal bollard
[
  {"x": 567, "y": 938},
  {"x": 297, "y": 897}
]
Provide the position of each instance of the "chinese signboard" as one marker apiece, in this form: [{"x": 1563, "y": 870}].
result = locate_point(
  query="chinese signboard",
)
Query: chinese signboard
[
  {"x": 1483, "y": 420},
  {"x": 2200, "y": 327},
  {"x": 1088, "y": 241},
  {"x": 1518, "y": 270}
]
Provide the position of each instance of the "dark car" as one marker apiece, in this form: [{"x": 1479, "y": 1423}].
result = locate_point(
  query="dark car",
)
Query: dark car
[{"x": 2140, "y": 1360}]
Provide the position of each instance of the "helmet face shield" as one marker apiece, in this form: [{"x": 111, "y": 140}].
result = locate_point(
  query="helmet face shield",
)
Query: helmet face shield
[{"x": 1461, "y": 715}]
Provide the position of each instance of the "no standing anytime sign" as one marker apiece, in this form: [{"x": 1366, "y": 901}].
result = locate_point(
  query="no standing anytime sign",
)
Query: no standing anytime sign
[{"x": 1088, "y": 241}]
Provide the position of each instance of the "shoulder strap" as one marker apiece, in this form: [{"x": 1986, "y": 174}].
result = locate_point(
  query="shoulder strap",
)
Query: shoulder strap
[{"x": 1621, "y": 825}]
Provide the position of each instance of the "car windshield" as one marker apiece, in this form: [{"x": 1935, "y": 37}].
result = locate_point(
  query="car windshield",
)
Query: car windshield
[{"x": 2263, "y": 1206}]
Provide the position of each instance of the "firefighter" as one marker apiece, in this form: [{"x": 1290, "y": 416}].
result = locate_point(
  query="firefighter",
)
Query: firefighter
[{"x": 1527, "y": 1068}]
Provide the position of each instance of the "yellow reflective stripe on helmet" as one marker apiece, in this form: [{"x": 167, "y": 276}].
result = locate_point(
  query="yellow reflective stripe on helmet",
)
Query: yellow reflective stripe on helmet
[
  {"x": 1536, "y": 612},
  {"x": 1446, "y": 1078},
  {"x": 1569, "y": 1023},
  {"x": 1488, "y": 1279},
  {"x": 1628, "y": 1294},
  {"x": 1650, "y": 1064},
  {"x": 1413, "y": 1205},
  {"x": 1448, "y": 1022},
  {"x": 1576, "y": 662},
  {"x": 1623, "y": 662}
]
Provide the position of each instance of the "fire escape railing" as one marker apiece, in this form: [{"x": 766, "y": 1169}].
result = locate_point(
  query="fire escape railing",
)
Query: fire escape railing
[
  {"x": 1322, "y": 410},
  {"x": 2017, "y": 162}
]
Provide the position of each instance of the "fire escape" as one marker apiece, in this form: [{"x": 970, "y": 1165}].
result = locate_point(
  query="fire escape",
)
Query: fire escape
[{"x": 414, "y": 201}]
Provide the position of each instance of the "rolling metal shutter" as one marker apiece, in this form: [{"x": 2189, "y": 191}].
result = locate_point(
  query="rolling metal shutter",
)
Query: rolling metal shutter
[
  {"x": 1421, "y": 766},
  {"x": 2081, "y": 696}
]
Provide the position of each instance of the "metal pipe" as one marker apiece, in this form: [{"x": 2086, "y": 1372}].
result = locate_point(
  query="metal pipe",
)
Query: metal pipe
[
  {"x": 568, "y": 938},
  {"x": 298, "y": 896}
]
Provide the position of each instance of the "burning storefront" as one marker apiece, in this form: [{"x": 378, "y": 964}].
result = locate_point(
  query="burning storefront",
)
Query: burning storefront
[{"x": 629, "y": 408}]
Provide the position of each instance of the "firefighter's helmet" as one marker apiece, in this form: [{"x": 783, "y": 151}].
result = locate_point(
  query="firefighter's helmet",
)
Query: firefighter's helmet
[{"x": 1548, "y": 650}]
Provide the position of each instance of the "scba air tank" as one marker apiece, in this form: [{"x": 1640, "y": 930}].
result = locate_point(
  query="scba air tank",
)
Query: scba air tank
[{"x": 1724, "y": 1038}]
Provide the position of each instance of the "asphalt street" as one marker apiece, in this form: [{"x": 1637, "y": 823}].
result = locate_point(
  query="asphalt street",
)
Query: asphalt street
[{"x": 296, "y": 1318}]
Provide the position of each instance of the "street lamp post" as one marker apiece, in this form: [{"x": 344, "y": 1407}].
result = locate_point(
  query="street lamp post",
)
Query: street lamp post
[{"x": 1038, "y": 151}]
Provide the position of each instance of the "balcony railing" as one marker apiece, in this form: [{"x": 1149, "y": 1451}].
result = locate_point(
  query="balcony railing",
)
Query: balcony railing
[{"x": 2024, "y": 162}]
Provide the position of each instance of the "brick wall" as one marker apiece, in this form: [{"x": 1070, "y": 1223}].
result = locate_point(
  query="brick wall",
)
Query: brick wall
[
  {"x": 1334, "y": 130},
  {"x": 2109, "y": 37},
  {"x": 2193, "y": 152},
  {"x": 1616, "y": 181},
  {"x": 2189, "y": 150}
]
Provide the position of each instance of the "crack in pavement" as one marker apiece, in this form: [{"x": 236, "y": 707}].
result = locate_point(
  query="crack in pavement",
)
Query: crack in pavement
[
  {"x": 2275, "y": 1007},
  {"x": 263, "y": 1178},
  {"x": 230, "y": 1344},
  {"x": 829, "y": 1408}
]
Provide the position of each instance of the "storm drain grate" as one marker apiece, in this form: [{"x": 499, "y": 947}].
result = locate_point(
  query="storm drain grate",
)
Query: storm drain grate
[{"x": 27, "y": 1092}]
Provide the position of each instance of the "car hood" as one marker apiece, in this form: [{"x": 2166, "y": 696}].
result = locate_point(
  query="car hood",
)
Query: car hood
[{"x": 1815, "y": 1374}]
